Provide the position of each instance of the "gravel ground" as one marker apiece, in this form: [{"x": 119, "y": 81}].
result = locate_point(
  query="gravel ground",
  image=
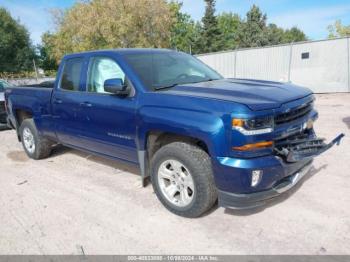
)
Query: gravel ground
[{"x": 73, "y": 202}]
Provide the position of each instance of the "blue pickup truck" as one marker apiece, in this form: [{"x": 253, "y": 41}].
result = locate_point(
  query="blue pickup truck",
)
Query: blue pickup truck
[{"x": 199, "y": 137}]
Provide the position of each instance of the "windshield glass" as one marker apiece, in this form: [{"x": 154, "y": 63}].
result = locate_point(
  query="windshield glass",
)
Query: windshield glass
[{"x": 166, "y": 69}]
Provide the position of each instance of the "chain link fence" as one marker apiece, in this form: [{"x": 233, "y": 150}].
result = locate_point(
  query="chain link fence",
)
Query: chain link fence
[
  {"x": 27, "y": 77},
  {"x": 28, "y": 81}
]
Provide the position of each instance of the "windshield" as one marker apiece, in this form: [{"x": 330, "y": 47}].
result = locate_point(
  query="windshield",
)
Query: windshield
[{"x": 167, "y": 69}]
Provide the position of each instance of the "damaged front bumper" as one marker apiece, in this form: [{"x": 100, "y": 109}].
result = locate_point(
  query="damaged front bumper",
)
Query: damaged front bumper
[
  {"x": 303, "y": 147},
  {"x": 253, "y": 200},
  {"x": 281, "y": 172}
]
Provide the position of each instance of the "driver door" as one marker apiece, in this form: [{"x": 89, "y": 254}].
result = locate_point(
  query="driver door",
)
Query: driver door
[{"x": 109, "y": 119}]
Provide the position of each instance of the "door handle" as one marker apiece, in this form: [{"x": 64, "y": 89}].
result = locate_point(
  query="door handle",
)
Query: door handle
[
  {"x": 57, "y": 101},
  {"x": 86, "y": 104}
]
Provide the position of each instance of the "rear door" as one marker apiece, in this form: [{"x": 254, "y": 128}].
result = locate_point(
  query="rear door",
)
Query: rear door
[{"x": 66, "y": 103}]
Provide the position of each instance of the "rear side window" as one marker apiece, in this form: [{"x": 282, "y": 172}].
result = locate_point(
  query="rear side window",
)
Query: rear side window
[{"x": 70, "y": 79}]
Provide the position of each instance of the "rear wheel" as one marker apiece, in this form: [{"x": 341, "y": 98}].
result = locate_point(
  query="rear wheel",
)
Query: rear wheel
[
  {"x": 182, "y": 179},
  {"x": 36, "y": 146}
]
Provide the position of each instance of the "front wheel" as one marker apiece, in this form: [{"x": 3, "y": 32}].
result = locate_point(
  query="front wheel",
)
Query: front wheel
[{"x": 182, "y": 179}]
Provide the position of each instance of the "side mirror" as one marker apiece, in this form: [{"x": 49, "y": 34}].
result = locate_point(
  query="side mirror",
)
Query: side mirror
[{"x": 115, "y": 86}]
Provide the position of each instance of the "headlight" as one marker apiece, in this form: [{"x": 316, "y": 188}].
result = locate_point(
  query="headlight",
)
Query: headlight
[{"x": 254, "y": 126}]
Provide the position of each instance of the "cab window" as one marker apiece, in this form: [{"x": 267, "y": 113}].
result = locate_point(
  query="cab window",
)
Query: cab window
[
  {"x": 70, "y": 79},
  {"x": 101, "y": 69}
]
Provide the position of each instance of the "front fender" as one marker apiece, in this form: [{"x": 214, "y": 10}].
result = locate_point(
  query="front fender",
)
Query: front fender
[{"x": 205, "y": 126}]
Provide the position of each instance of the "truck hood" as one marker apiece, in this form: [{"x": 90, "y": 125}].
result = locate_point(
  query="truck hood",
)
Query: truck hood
[{"x": 256, "y": 94}]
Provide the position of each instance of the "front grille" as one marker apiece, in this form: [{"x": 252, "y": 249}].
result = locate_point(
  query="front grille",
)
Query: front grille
[{"x": 293, "y": 114}]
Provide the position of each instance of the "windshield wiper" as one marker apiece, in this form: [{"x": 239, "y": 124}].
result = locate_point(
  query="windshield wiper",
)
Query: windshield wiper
[
  {"x": 208, "y": 80},
  {"x": 165, "y": 87},
  {"x": 176, "y": 84}
]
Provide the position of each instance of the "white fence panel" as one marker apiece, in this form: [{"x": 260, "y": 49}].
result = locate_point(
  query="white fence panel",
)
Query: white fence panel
[
  {"x": 224, "y": 63},
  {"x": 323, "y": 66},
  {"x": 265, "y": 63},
  {"x": 326, "y": 69}
]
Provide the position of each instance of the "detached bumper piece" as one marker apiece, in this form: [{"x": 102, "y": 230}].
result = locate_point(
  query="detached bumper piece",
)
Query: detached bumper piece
[{"x": 303, "y": 147}]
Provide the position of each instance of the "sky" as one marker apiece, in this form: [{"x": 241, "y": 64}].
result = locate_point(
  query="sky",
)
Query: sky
[{"x": 312, "y": 16}]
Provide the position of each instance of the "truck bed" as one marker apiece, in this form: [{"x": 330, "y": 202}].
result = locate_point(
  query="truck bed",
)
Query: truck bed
[
  {"x": 32, "y": 99},
  {"x": 46, "y": 84},
  {"x": 28, "y": 92}
]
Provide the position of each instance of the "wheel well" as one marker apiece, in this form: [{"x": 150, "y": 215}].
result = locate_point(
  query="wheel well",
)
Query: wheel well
[
  {"x": 156, "y": 140},
  {"x": 21, "y": 115}
]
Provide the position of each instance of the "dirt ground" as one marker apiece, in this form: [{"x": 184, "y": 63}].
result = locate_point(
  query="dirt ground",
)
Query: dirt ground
[{"x": 74, "y": 203}]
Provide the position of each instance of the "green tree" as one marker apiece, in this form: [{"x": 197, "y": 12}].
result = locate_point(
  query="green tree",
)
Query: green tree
[
  {"x": 210, "y": 33},
  {"x": 338, "y": 30},
  {"x": 293, "y": 35},
  {"x": 46, "y": 58},
  {"x": 16, "y": 50},
  {"x": 275, "y": 34},
  {"x": 197, "y": 46},
  {"x": 229, "y": 24},
  {"x": 253, "y": 31},
  {"x": 184, "y": 32},
  {"x": 100, "y": 24}
]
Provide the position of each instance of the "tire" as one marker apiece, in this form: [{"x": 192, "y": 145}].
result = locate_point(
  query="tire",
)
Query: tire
[
  {"x": 196, "y": 163},
  {"x": 41, "y": 147}
]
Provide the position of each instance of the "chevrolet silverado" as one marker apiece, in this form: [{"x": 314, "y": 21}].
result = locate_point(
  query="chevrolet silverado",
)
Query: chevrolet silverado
[{"x": 199, "y": 137}]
